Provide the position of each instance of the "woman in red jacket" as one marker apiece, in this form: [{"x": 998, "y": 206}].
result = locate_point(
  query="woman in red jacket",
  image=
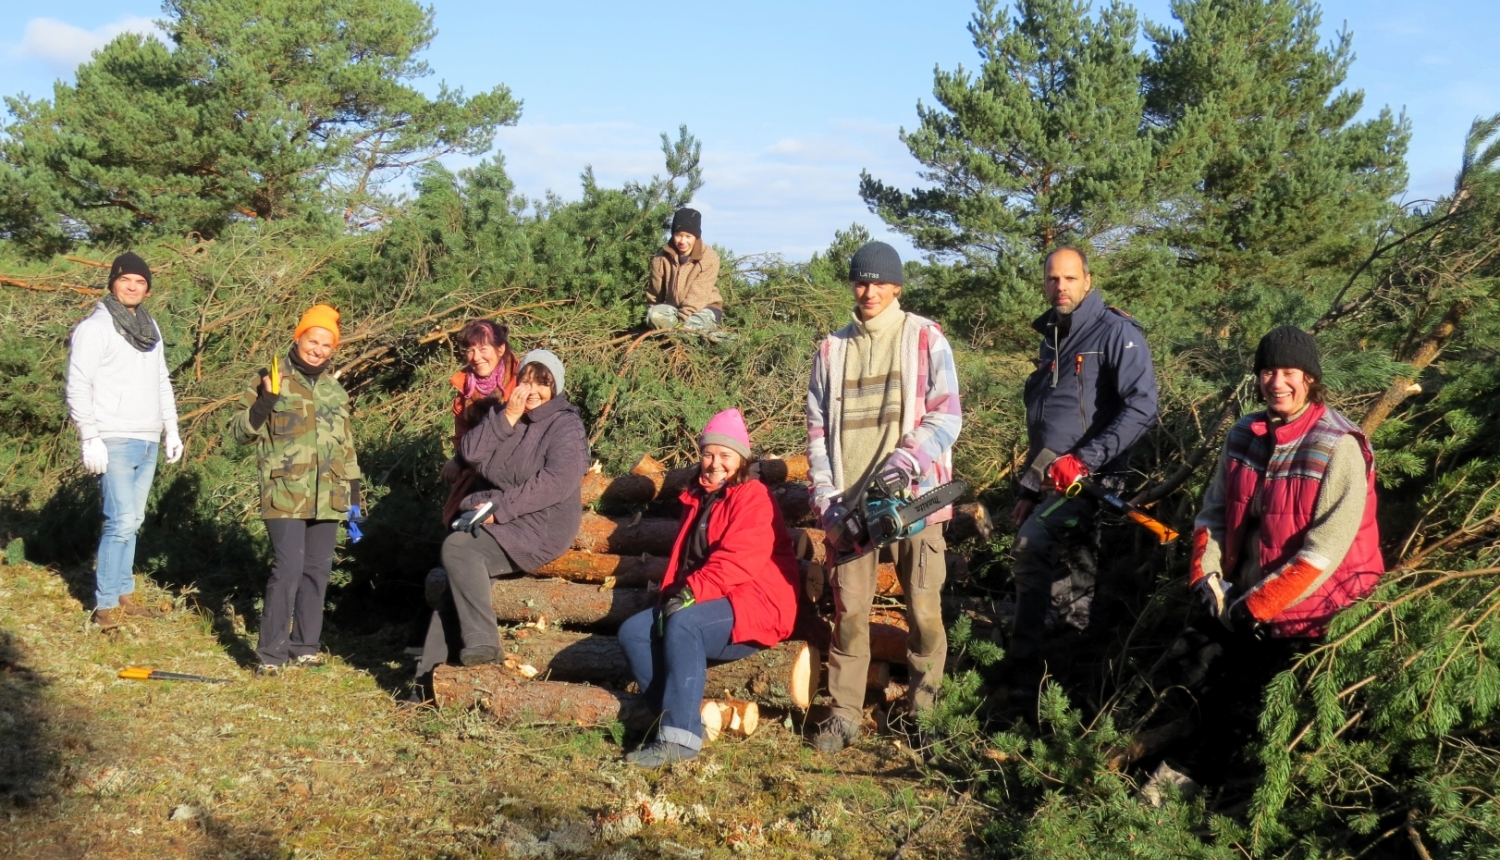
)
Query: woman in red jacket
[{"x": 730, "y": 590}]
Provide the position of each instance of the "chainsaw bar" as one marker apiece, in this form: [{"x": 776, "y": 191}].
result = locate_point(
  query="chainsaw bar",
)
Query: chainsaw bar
[{"x": 931, "y": 502}]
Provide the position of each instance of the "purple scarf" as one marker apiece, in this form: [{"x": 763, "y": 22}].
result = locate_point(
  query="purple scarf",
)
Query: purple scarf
[{"x": 484, "y": 386}]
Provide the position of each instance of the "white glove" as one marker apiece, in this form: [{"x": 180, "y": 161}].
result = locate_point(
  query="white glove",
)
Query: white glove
[
  {"x": 95, "y": 456},
  {"x": 1215, "y": 593},
  {"x": 173, "y": 447}
]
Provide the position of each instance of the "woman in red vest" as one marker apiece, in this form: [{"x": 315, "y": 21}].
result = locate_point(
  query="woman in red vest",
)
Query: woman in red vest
[
  {"x": 1286, "y": 536},
  {"x": 730, "y": 590}
]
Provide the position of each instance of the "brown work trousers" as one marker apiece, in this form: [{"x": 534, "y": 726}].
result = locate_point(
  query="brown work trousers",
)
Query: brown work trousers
[{"x": 921, "y": 571}]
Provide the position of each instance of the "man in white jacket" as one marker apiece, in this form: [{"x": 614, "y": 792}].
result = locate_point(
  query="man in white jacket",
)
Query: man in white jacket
[{"x": 120, "y": 397}]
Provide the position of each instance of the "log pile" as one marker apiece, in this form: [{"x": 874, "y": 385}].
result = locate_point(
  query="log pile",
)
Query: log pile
[{"x": 562, "y": 663}]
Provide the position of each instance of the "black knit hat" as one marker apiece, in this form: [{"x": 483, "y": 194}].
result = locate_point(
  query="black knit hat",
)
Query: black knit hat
[
  {"x": 876, "y": 263},
  {"x": 129, "y": 263},
  {"x": 688, "y": 221},
  {"x": 1289, "y": 346}
]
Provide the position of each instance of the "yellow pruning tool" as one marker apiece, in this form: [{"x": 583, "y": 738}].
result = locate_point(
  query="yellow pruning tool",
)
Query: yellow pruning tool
[
  {"x": 137, "y": 673},
  {"x": 275, "y": 375}
]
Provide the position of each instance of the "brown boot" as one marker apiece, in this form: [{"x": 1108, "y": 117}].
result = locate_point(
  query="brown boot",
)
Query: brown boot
[
  {"x": 129, "y": 606},
  {"x": 108, "y": 620}
]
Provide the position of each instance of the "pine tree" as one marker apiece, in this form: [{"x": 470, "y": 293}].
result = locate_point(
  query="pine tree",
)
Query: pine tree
[
  {"x": 263, "y": 109},
  {"x": 1043, "y": 144},
  {"x": 1288, "y": 192}
]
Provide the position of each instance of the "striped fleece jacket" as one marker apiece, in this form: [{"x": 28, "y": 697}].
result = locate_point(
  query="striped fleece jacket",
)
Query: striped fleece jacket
[
  {"x": 930, "y": 413},
  {"x": 1290, "y": 520}
]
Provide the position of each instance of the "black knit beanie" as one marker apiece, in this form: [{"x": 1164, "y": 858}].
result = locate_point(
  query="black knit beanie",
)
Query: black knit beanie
[
  {"x": 688, "y": 221},
  {"x": 1289, "y": 346},
  {"x": 129, "y": 263},
  {"x": 876, "y": 263}
]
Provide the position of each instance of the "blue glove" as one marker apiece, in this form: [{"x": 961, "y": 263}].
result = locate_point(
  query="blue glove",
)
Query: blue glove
[{"x": 355, "y": 535}]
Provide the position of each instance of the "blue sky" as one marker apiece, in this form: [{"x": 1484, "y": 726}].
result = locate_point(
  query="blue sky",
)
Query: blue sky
[{"x": 791, "y": 100}]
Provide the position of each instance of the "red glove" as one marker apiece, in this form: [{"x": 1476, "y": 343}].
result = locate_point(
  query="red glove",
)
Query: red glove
[{"x": 1065, "y": 470}]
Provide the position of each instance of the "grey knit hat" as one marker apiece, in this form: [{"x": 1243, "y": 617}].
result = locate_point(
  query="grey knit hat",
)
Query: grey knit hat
[
  {"x": 876, "y": 263},
  {"x": 1289, "y": 346},
  {"x": 546, "y": 358}
]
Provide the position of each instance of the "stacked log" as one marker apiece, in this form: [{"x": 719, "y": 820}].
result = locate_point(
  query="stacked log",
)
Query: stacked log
[
  {"x": 612, "y": 572},
  {"x": 511, "y": 700},
  {"x": 525, "y": 599},
  {"x": 784, "y": 677}
]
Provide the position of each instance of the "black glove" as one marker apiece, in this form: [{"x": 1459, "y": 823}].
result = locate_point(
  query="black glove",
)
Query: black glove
[
  {"x": 681, "y": 600},
  {"x": 1241, "y": 619},
  {"x": 356, "y": 494},
  {"x": 265, "y": 403}
]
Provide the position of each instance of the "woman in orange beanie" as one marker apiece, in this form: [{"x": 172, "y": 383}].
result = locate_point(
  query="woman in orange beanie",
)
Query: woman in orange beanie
[{"x": 298, "y": 422}]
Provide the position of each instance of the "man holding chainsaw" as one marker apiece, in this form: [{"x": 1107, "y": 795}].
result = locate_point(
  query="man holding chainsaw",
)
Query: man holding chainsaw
[
  {"x": 882, "y": 409},
  {"x": 1090, "y": 399}
]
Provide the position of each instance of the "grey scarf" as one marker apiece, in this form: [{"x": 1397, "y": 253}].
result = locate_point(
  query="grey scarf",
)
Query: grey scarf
[{"x": 137, "y": 328}]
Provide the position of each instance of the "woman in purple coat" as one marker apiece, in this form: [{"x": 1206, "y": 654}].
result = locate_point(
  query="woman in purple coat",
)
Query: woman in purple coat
[{"x": 530, "y": 459}]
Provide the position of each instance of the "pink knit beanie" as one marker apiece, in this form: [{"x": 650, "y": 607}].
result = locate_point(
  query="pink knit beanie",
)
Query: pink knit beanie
[{"x": 727, "y": 429}]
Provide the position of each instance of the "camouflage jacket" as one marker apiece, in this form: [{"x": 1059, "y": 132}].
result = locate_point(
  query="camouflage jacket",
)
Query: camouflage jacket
[{"x": 306, "y": 449}]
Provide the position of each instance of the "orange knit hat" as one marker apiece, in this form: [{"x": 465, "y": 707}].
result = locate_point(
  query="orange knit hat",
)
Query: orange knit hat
[{"x": 319, "y": 316}]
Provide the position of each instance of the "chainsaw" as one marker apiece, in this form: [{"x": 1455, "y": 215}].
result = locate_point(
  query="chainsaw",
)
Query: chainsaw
[{"x": 881, "y": 512}]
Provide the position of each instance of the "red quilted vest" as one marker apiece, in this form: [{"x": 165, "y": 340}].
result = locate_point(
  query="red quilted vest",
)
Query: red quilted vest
[{"x": 1289, "y": 478}]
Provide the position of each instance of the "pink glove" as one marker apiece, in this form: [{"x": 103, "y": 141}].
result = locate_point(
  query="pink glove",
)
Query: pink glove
[{"x": 1065, "y": 470}]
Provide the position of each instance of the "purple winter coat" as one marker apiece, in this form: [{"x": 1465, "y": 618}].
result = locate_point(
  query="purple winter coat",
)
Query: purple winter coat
[{"x": 533, "y": 472}]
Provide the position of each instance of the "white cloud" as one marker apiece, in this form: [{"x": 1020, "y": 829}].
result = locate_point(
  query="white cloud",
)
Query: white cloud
[
  {"x": 787, "y": 196},
  {"x": 63, "y": 46}
]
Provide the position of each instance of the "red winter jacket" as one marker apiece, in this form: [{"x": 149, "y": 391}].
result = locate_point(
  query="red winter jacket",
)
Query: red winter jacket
[{"x": 750, "y": 561}]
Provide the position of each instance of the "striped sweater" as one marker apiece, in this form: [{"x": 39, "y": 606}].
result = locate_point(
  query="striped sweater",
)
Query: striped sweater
[{"x": 930, "y": 411}]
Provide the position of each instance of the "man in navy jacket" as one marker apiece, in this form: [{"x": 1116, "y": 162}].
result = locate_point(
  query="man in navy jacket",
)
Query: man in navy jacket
[{"x": 1093, "y": 395}]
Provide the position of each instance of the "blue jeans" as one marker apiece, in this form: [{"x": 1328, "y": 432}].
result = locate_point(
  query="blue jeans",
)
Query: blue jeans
[
  {"x": 126, "y": 484},
  {"x": 672, "y": 669}
]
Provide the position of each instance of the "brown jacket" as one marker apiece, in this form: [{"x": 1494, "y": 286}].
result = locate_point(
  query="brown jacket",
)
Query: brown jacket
[{"x": 689, "y": 287}]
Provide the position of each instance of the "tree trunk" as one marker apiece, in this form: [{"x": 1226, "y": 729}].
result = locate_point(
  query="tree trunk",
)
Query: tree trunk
[
  {"x": 1421, "y": 356},
  {"x": 527, "y": 598},
  {"x": 782, "y": 677},
  {"x": 515, "y": 701},
  {"x": 627, "y": 571},
  {"x": 888, "y": 643},
  {"x": 561, "y": 655},
  {"x": 623, "y": 536},
  {"x": 656, "y": 535},
  {"x": 650, "y": 480}
]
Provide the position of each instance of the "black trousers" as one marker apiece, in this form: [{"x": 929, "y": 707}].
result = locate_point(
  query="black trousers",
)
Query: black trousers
[
  {"x": 467, "y": 616},
  {"x": 292, "y": 621}
]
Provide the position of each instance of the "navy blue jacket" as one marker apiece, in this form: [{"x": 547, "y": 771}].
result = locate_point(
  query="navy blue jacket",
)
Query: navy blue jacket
[{"x": 1094, "y": 391}]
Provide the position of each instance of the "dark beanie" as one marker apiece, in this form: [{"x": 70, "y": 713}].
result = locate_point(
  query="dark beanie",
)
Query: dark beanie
[
  {"x": 1289, "y": 346},
  {"x": 129, "y": 263},
  {"x": 876, "y": 263},
  {"x": 688, "y": 221}
]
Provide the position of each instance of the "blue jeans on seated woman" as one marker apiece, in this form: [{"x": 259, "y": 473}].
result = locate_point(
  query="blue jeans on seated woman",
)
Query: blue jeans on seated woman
[{"x": 672, "y": 668}]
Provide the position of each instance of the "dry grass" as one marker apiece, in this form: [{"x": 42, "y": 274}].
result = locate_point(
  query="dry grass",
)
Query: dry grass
[{"x": 317, "y": 763}]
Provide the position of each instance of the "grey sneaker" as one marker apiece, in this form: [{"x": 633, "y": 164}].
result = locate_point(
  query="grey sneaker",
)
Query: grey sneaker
[
  {"x": 834, "y": 734},
  {"x": 660, "y": 754},
  {"x": 310, "y": 660}
]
